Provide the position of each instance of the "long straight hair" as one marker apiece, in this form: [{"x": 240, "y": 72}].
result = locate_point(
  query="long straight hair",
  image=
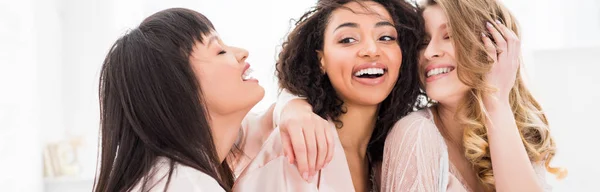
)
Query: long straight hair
[{"x": 151, "y": 105}]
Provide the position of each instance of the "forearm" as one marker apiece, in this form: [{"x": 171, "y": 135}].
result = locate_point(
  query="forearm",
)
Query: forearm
[
  {"x": 513, "y": 170},
  {"x": 288, "y": 102}
]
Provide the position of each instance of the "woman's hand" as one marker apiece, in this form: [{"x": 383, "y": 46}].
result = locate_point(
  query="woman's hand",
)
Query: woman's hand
[
  {"x": 506, "y": 55},
  {"x": 306, "y": 137}
]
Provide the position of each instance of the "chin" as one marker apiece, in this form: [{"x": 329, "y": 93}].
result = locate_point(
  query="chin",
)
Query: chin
[
  {"x": 369, "y": 99},
  {"x": 447, "y": 95}
]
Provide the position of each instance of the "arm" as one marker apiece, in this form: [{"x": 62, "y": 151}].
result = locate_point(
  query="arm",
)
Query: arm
[
  {"x": 305, "y": 136},
  {"x": 290, "y": 102},
  {"x": 513, "y": 171},
  {"x": 412, "y": 157}
]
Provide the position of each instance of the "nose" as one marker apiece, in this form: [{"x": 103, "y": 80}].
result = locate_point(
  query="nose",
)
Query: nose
[
  {"x": 432, "y": 50},
  {"x": 370, "y": 49},
  {"x": 240, "y": 54}
]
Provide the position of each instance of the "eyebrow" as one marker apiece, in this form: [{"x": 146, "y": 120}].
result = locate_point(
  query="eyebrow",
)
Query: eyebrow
[
  {"x": 443, "y": 26},
  {"x": 354, "y": 25},
  {"x": 212, "y": 39},
  {"x": 384, "y": 23}
]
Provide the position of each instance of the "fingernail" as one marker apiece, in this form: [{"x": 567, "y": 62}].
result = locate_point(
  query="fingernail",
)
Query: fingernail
[
  {"x": 483, "y": 34},
  {"x": 305, "y": 176},
  {"x": 489, "y": 24},
  {"x": 498, "y": 21}
]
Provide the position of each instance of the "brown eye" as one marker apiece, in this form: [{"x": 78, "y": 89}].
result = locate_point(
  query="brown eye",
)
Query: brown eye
[
  {"x": 347, "y": 40},
  {"x": 387, "y": 38}
]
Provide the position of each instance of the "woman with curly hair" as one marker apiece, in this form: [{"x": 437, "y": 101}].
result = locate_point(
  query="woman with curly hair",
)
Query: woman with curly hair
[
  {"x": 485, "y": 132},
  {"x": 355, "y": 62}
]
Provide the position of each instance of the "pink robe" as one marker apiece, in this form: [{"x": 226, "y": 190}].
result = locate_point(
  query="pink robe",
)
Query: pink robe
[
  {"x": 266, "y": 169},
  {"x": 416, "y": 158}
]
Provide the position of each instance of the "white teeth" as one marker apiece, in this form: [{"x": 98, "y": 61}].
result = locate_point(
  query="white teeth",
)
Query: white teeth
[
  {"x": 369, "y": 71},
  {"x": 438, "y": 71},
  {"x": 247, "y": 75}
]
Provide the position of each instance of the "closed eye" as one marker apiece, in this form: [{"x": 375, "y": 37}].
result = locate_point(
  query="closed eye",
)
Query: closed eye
[
  {"x": 424, "y": 44},
  {"x": 222, "y": 52},
  {"x": 447, "y": 36}
]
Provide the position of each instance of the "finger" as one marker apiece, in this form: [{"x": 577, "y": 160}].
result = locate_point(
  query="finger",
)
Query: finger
[
  {"x": 321, "y": 138},
  {"x": 508, "y": 34},
  {"x": 511, "y": 37},
  {"x": 288, "y": 149},
  {"x": 489, "y": 47},
  {"x": 297, "y": 138},
  {"x": 311, "y": 148},
  {"x": 500, "y": 41},
  {"x": 330, "y": 144}
]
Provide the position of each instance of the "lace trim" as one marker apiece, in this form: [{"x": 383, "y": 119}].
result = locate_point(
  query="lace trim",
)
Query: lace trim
[{"x": 453, "y": 171}]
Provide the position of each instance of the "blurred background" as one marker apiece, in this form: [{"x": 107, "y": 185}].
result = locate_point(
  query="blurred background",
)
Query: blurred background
[{"x": 51, "y": 52}]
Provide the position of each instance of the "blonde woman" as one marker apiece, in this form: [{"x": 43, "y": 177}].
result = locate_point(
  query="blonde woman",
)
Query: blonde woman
[{"x": 485, "y": 131}]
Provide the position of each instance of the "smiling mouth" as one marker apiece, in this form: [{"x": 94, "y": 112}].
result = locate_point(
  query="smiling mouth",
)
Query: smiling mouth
[
  {"x": 370, "y": 73},
  {"x": 247, "y": 74},
  {"x": 438, "y": 71}
]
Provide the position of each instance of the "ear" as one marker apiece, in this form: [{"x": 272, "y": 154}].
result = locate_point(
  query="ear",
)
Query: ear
[{"x": 321, "y": 61}]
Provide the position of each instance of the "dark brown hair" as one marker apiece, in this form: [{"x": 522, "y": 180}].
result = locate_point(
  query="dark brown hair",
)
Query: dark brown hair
[
  {"x": 151, "y": 104},
  {"x": 299, "y": 70}
]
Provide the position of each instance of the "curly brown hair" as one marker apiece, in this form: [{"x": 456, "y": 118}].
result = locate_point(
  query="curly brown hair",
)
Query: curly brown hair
[{"x": 298, "y": 68}]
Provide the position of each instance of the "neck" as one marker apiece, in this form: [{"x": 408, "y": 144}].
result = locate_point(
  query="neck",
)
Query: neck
[
  {"x": 358, "y": 126},
  {"x": 444, "y": 116},
  {"x": 225, "y": 131}
]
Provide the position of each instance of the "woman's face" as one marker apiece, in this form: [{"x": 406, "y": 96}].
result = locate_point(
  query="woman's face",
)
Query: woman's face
[
  {"x": 437, "y": 62},
  {"x": 224, "y": 77},
  {"x": 361, "y": 55}
]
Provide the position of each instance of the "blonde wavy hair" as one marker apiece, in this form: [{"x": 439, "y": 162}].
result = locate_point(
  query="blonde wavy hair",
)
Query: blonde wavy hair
[{"x": 466, "y": 21}]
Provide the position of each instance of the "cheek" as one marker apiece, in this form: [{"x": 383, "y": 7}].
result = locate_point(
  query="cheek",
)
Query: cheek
[
  {"x": 421, "y": 71},
  {"x": 449, "y": 49},
  {"x": 338, "y": 66},
  {"x": 448, "y": 90},
  {"x": 217, "y": 82},
  {"x": 395, "y": 62}
]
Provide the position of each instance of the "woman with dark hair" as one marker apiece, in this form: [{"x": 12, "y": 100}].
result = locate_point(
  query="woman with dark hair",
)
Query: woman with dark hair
[
  {"x": 173, "y": 101},
  {"x": 355, "y": 63}
]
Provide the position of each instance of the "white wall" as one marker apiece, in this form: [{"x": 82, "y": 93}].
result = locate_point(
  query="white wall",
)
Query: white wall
[
  {"x": 567, "y": 85},
  {"x": 561, "y": 44},
  {"x": 20, "y": 151},
  {"x": 51, "y": 53}
]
